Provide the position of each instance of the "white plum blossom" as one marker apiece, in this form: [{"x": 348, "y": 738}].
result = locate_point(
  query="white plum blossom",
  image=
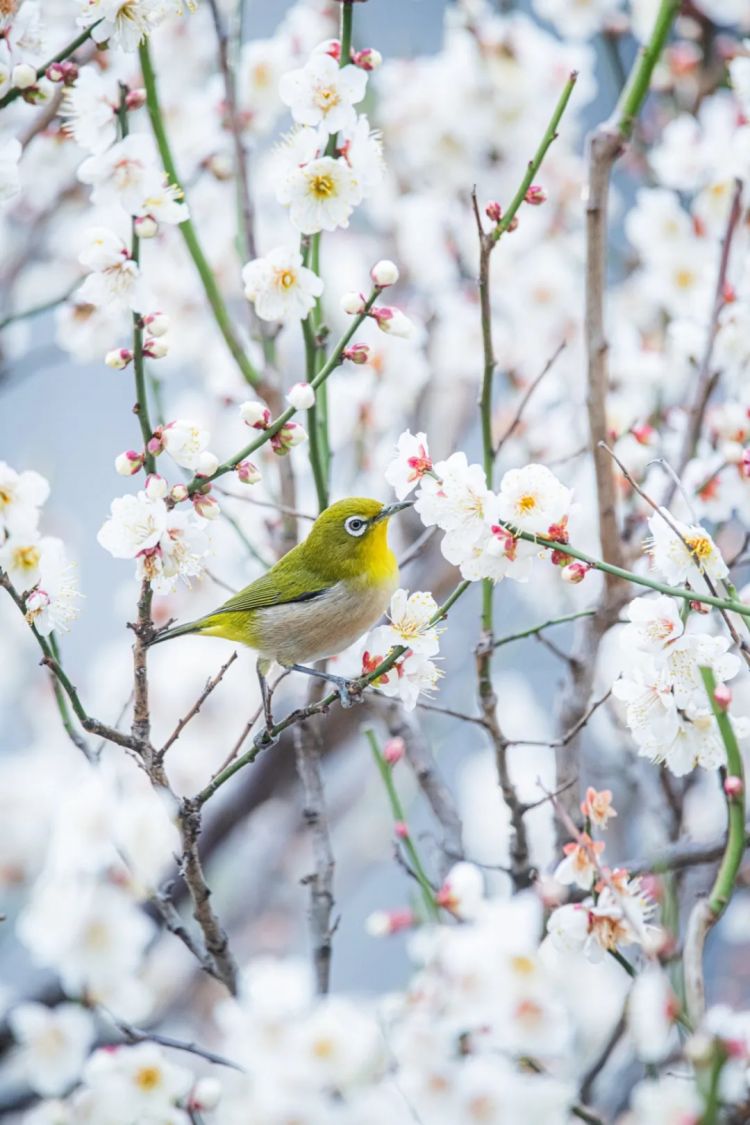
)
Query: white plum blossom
[
  {"x": 280, "y": 286},
  {"x": 53, "y": 604},
  {"x": 54, "y": 1044},
  {"x": 20, "y": 556},
  {"x": 655, "y": 622},
  {"x": 412, "y": 675},
  {"x": 323, "y": 94},
  {"x": 124, "y": 23},
  {"x": 141, "y": 1079},
  {"x": 581, "y": 862},
  {"x": 684, "y": 553},
  {"x": 91, "y": 108},
  {"x": 410, "y": 616},
  {"x": 411, "y": 463},
  {"x": 320, "y": 195},
  {"x": 21, "y": 497},
  {"x": 532, "y": 499},
  {"x": 185, "y": 441},
  {"x": 619, "y": 916},
  {"x": 115, "y": 278},
  {"x": 668, "y": 1100}
]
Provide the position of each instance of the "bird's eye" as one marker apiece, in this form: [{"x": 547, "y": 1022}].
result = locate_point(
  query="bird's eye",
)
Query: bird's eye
[{"x": 355, "y": 525}]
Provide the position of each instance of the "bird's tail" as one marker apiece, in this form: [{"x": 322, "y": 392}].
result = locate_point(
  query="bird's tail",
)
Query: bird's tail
[{"x": 178, "y": 631}]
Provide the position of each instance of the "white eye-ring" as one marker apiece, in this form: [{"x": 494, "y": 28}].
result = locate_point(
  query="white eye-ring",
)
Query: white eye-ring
[{"x": 355, "y": 525}]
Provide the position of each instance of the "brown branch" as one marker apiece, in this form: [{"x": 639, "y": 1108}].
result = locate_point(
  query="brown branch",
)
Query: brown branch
[
  {"x": 216, "y": 940},
  {"x": 143, "y": 630},
  {"x": 210, "y": 685},
  {"x": 675, "y": 857},
  {"x": 700, "y": 921},
  {"x": 591, "y": 1075},
  {"x": 307, "y": 747},
  {"x": 170, "y": 916},
  {"x": 707, "y": 379}
]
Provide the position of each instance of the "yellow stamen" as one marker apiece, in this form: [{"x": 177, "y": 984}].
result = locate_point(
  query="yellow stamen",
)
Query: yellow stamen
[
  {"x": 526, "y": 504},
  {"x": 148, "y": 1077},
  {"x": 26, "y": 558},
  {"x": 699, "y": 546},
  {"x": 5, "y": 498},
  {"x": 286, "y": 278},
  {"x": 322, "y": 186}
]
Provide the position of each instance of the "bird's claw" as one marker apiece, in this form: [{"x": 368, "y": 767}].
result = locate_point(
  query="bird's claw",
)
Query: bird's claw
[{"x": 349, "y": 692}]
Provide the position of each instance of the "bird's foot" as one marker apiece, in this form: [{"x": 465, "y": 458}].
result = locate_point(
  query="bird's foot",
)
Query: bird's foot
[{"x": 349, "y": 691}]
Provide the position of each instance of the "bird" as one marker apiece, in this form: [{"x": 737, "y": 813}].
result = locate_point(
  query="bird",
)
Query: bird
[{"x": 318, "y": 599}]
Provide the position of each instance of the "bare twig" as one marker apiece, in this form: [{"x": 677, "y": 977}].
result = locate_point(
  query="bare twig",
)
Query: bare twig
[
  {"x": 415, "y": 549},
  {"x": 591, "y": 1075},
  {"x": 527, "y": 395},
  {"x": 171, "y": 918},
  {"x": 210, "y": 685},
  {"x": 139, "y": 1035}
]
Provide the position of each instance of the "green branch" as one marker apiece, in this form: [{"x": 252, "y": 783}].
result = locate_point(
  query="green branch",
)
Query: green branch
[
  {"x": 279, "y": 423},
  {"x": 61, "y": 55},
  {"x": 549, "y": 136},
  {"x": 536, "y": 629},
  {"x": 637, "y": 88},
  {"x": 399, "y": 817},
  {"x": 721, "y": 892},
  {"x": 211, "y": 289}
]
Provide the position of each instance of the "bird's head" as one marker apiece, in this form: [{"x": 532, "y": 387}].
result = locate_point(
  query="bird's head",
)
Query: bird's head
[{"x": 349, "y": 539}]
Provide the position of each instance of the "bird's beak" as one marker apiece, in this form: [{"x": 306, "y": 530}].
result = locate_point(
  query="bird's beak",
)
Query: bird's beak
[{"x": 391, "y": 510}]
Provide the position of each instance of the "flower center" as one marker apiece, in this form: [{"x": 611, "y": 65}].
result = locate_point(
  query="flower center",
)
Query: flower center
[
  {"x": 323, "y": 1048},
  {"x": 5, "y": 497},
  {"x": 326, "y": 98},
  {"x": 526, "y": 504},
  {"x": 684, "y": 278},
  {"x": 26, "y": 558},
  {"x": 286, "y": 278},
  {"x": 699, "y": 546},
  {"x": 148, "y": 1077},
  {"x": 322, "y": 186}
]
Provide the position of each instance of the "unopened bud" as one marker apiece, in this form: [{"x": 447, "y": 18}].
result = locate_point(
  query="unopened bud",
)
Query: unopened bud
[
  {"x": 208, "y": 463},
  {"x": 734, "y": 787},
  {"x": 118, "y": 359},
  {"x": 392, "y": 321},
  {"x": 493, "y": 211},
  {"x": 330, "y": 47},
  {"x": 23, "y": 76},
  {"x": 289, "y": 435},
  {"x": 206, "y": 1095},
  {"x": 220, "y": 166},
  {"x": 155, "y": 444},
  {"x": 154, "y": 348},
  {"x": 135, "y": 99},
  {"x": 66, "y": 72},
  {"x": 394, "y": 750},
  {"x": 699, "y": 1049},
  {"x": 129, "y": 463},
  {"x": 384, "y": 273},
  {"x": 146, "y": 226},
  {"x": 367, "y": 59},
  {"x": 513, "y": 224},
  {"x": 156, "y": 487},
  {"x": 157, "y": 323},
  {"x": 206, "y": 506},
  {"x": 722, "y": 696},
  {"x": 700, "y": 607},
  {"x": 255, "y": 414},
  {"x": 301, "y": 396},
  {"x": 353, "y": 303},
  {"x": 357, "y": 353},
  {"x": 247, "y": 472},
  {"x": 535, "y": 195},
  {"x": 745, "y": 463},
  {"x": 574, "y": 572},
  {"x": 179, "y": 493},
  {"x": 643, "y": 434},
  {"x": 401, "y": 829}
]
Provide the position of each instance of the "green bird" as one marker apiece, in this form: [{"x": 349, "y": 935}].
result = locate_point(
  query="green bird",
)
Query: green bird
[{"x": 318, "y": 599}]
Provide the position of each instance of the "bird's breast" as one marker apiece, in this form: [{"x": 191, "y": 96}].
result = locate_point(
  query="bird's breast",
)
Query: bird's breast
[{"x": 303, "y": 632}]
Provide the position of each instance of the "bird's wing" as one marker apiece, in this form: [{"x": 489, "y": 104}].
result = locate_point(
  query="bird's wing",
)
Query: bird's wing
[{"x": 287, "y": 582}]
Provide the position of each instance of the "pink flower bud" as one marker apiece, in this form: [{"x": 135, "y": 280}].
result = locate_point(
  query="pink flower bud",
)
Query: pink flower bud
[
  {"x": 357, "y": 353},
  {"x": 135, "y": 99},
  {"x": 367, "y": 59},
  {"x": 722, "y": 696},
  {"x": 734, "y": 787},
  {"x": 118, "y": 359},
  {"x": 700, "y": 607},
  {"x": 401, "y": 829},
  {"x": 179, "y": 493},
  {"x": 745, "y": 463},
  {"x": 574, "y": 572},
  {"x": 493, "y": 211},
  {"x": 206, "y": 506},
  {"x": 206, "y": 1095},
  {"x": 289, "y": 435},
  {"x": 392, "y": 321},
  {"x": 255, "y": 415},
  {"x": 353, "y": 303},
  {"x": 247, "y": 472},
  {"x": 331, "y": 47},
  {"x": 513, "y": 224},
  {"x": 129, "y": 463},
  {"x": 155, "y": 348},
  {"x": 536, "y": 195},
  {"x": 66, "y": 72},
  {"x": 383, "y": 923},
  {"x": 157, "y": 323},
  {"x": 146, "y": 226},
  {"x": 23, "y": 76},
  {"x": 384, "y": 273},
  {"x": 394, "y": 750},
  {"x": 156, "y": 487},
  {"x": 155, "y": 444},
  {"x": 643, "y": 434},
  {"x": 301, "y": 396}
]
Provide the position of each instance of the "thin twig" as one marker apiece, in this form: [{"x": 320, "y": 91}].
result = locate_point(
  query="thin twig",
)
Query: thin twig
[
  {"x": 210, "y": 685},
  {"x": 133, "y": 1034},
  {"x": 527, "y": 395}
]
